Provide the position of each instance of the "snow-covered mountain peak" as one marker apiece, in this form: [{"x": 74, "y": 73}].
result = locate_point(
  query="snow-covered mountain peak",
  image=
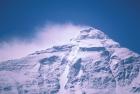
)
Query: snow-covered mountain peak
[
  {"x": 91, "y": 63},
  {"x": 92, "y": 33},
  {"x": 91, "y": 37}
]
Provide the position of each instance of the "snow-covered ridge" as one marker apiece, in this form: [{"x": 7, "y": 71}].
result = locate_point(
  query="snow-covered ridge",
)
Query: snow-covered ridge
[{"x": 91, "y": 63}]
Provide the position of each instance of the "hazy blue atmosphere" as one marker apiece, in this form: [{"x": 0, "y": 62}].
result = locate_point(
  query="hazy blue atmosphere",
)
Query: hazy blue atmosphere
[{"x": 120, "y": 19}]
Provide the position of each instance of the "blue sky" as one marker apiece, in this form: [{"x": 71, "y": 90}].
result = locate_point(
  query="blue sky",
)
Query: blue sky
[{"x": 120, "y": 19}]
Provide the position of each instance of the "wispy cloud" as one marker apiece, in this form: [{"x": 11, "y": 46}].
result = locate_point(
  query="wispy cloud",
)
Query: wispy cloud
[{"x": 47, "y": 36}]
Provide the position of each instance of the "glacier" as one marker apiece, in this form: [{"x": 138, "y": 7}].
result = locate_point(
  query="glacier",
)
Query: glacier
[{"x": 91, "y": 63}]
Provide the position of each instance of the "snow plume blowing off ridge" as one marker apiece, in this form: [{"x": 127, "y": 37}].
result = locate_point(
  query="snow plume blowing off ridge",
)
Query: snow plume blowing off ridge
[{"x": 45, "y": 37}]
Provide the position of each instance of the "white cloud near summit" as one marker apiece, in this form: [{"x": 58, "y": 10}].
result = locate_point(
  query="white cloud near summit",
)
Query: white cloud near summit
[{"x": 47, "y": 36}]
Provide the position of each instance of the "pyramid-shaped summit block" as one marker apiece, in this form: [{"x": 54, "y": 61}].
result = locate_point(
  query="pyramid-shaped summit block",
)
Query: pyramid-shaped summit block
[{"x": 91, "y": 63}]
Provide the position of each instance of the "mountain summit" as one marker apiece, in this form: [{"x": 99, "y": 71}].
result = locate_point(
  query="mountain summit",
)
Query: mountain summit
[{"x": 91, "y": 63}]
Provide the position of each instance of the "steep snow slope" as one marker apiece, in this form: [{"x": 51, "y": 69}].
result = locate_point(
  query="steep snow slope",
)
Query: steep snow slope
[{"x": 92, "y": 63}]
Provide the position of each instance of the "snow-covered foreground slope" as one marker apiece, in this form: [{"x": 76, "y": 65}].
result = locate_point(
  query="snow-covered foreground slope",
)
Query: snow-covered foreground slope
[{"x": 92, "y": 63}]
